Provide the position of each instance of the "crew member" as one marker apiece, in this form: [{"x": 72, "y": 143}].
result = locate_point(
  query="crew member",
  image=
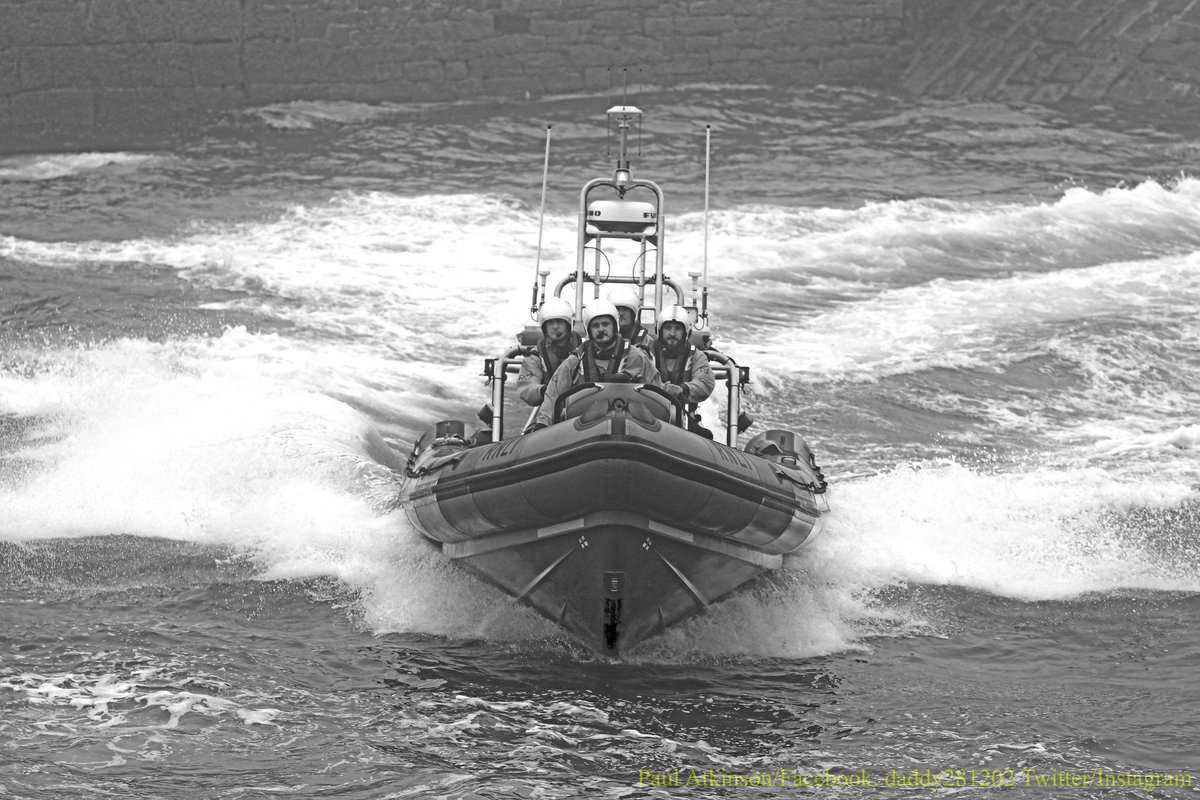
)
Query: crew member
[
  {"x": 682, "y": 367},
  {"x": 629, "y": 309},
  {"x": 556, "y": 318},
  {"x": 606, "y": 357}
]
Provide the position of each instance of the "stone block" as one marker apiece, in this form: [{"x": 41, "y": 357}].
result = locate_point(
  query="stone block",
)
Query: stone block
[
  {"x": 459, "y": 89},
  {"x": 545, "y": 61},
  {"x": 216, "y": 64},
  {"x": 846, "y": 70},
  {"x": 737, "y": 39},
  {"x": 590, "y": 54},
  {"x": 310, "y": 22},
  {"x": 400, "y": 53},
  {"x": 723, "y": 8},
  {"x": 446, "y": 51},
  {"x": 728, "y": 55},
  {"x": 1066, "y": 27},
  {"x": 563, "y": 81},
  {"x": 506, "y": 86},
  {"x": 475, "y": 28},
  {"x": 269, "y": 23},
  {"x": 712, "y": 24},
  {"x": 52, "y": 22},
  {"x": 596, "y": 77},
  {"x": 505, "y": 22},
  {"x": 563, "y": 30},
  {"x": 10, "y": 81},
  {"x": 682, "y": 68},
  {"x": 280, "y": 63},
  {"x": 121, "y": 21},
  {"x": 812, "y": 32},
  {"x": 536, "y": 7},
  {"x": 341, "y": 35},
  {"x": 206, "y": 20},
  {"x": 800, "y": 73},
  {"x": 1032, "y": 66},
  {"x": 415, "y": 71},
  {"x": 605, "y": 18},
  {"x": 1013, "y": 93},
  {"x": 1177, "y": 54},
  {"x": 132, "y": 109},
  {"x": 1142, "y": 84},
  {"x": 1070, "y": 69},
  {"x": 690, "y": 45},
  {"x": 135, "y": 66},
  {"x": 54, "y": 107},
  {"x": 38, "y": 68}
]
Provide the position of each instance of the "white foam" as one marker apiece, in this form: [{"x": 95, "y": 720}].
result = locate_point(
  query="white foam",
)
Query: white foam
[
  {"x": 60, "y": 165},
  {"x": 225, "y": 440},
  {"x": 965, "y": 323},
  {"x": 1033, "y": 535},
  {"x": 122, "y": 700}
]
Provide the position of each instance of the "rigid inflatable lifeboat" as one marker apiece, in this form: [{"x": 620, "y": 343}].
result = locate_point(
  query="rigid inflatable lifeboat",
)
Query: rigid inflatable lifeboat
[{"x": 623, "y": 517}]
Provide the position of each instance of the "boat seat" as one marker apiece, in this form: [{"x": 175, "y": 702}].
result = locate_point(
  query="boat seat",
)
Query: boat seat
[{"x": 596, "y": 400}]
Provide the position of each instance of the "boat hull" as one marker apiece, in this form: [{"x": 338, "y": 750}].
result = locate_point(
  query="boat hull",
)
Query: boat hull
[
  {"x": 613, "y": 524},
  {"x": 614, "y": 579}
]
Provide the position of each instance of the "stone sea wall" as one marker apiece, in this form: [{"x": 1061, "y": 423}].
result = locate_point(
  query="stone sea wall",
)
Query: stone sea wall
[
  {"x": 109, "y": 62},
  {"x": 112, "y": 64},
  {"x": 1119, "y": 52}
]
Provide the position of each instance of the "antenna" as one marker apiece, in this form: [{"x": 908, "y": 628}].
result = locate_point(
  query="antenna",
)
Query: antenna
[
  {"x": 707, "y": 159},
  {"x": 541, "y": 219}
]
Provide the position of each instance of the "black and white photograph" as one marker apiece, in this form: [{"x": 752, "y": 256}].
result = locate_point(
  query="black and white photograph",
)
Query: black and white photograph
[{"x": 549, "y": 399}]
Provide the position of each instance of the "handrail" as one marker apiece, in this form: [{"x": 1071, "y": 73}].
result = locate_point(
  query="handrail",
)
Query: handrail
[
  {"x": 506, "y": 364},
  {"x": 733, "y": 391}
]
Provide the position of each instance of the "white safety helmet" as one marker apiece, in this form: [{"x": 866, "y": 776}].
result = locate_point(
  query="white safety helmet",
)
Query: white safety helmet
[
  {"x": 555, "y": 308},
  {"x": 676, "y": 314},
  {"x": 600, "y": 308},
  {"x": 626, "y": 297}
]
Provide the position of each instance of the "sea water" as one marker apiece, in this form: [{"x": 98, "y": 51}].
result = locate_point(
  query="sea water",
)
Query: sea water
[{"x": 217, "y": 347}]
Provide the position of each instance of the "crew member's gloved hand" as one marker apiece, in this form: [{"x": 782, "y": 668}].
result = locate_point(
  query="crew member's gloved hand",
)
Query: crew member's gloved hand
[
  {"x": 674, "y": 389},
  {"x": 619, "y": 377},
  {"x": 537, "y": 426}
]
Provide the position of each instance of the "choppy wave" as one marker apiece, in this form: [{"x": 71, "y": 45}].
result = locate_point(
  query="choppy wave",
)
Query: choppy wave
[
  {"x": 62, "y": 165},
  {"x": 1057, "y": 332}
]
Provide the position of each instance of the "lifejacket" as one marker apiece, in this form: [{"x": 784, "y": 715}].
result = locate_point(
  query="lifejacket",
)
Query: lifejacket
[
  {"x": 680, "y": 373},
  {"x": 550, "y": 359},
  {"x": 639, "y": 337},
  {"x": 587, "y": 360}
]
